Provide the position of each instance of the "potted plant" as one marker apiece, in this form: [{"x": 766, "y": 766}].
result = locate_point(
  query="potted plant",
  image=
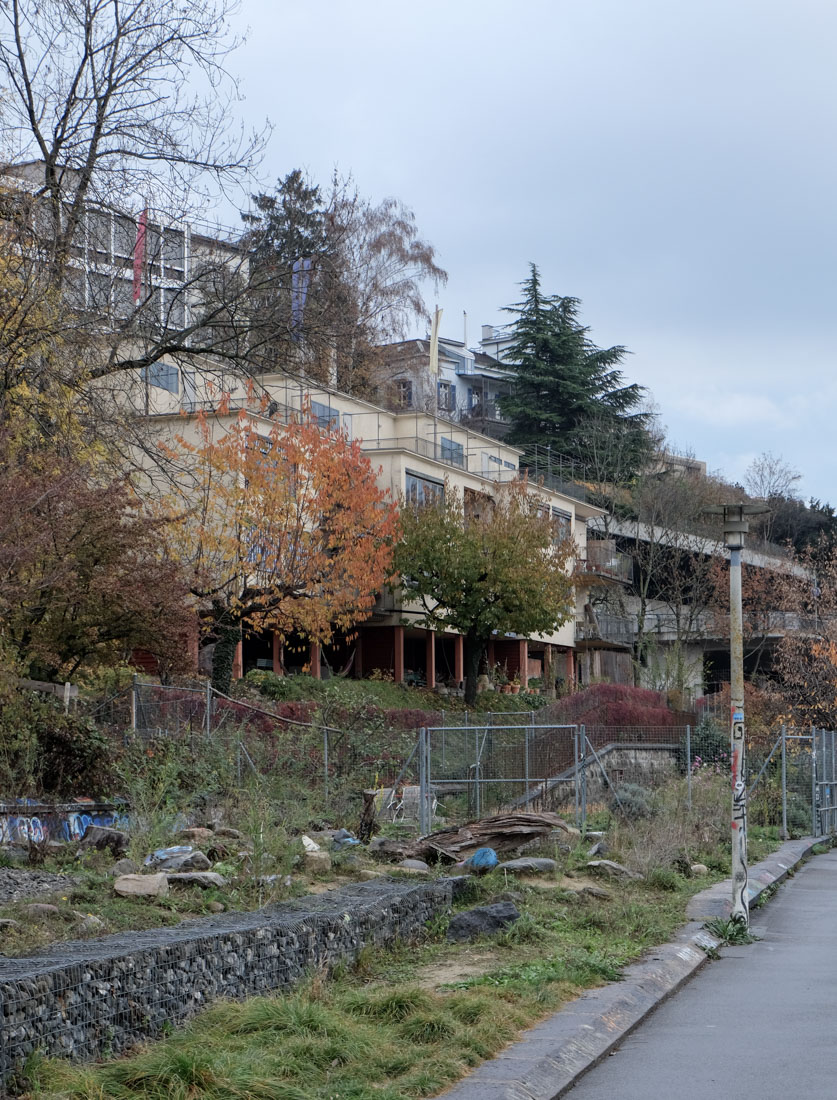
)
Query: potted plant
[{"x": 515, "y": 685}]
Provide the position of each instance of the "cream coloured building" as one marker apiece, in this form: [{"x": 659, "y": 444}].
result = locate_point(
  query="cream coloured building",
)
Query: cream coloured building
[{"x": 416, "y": 455}]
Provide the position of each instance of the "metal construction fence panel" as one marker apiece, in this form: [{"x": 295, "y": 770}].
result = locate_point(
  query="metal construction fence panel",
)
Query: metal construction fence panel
[
  {"x": 490, "y": 762},
  {"x": 477, "y": 770}
]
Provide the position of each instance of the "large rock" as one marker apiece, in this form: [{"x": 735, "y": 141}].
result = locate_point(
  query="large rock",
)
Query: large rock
[
  {"x": 142, "y": 886},
  {"x": 482, "y": 921},
  {"x": 88, "y": 922},
  {"x": 7, "y": 924},
  {"x": 197, "y": 834},
  {"x": 528, "y": 865},
  {"x": 187, "y": 861},
  {"x": 594, "y": 892},
  {"x": 204, "y": 879},
  {"x": 39, "y": 910},
  {"x": 316, "y": 863},
  {"x": 225, "y": 830},
  {"x": 610, "y": 869},
  {"x": 414, "y": 865},
  {"x": 124, "y": 867},
  {"x": 100, "y": 837}
]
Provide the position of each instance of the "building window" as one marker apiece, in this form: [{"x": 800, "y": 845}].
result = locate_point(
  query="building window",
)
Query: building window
[
  {"x": 404, "y": 393},
  {"x": 474, "y": 399},
  {"x": 326, "y": 417},
  {"x": 347, "y": 425},
  {"x": 562, "y": 525},
  {"x": 162, "y": 375},
  {"x": 421, "y": 490},
  {"x": 453, "y": 452},
  {"x": 509, "y": 465},
  {"x": 447, "y": 396}
]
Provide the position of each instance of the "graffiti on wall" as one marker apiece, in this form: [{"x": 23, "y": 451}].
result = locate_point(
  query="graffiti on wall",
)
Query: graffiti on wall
[{"x": 28, "y": 821}]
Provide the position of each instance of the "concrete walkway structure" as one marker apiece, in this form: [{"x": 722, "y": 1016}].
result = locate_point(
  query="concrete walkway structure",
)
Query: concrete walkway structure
[{"x": 756, "y": 1025}]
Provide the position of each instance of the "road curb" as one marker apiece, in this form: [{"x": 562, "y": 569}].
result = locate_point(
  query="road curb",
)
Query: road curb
[{"x": 551, "y": 1057}]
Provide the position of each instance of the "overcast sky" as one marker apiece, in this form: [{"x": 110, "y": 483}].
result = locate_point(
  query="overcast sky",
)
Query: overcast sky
[{"x": 672, "y": 163}]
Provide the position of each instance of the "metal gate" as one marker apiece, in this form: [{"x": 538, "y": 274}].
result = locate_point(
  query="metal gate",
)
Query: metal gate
[
  {"x": 493, "y": 766},
  {"x": 825, "y": 781}
]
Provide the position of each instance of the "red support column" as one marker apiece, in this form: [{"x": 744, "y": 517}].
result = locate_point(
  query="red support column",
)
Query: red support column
[
  {"x": 459, "y": 658},
  {"x": 398, "y": 632},
  {"x": 314, "y": 659},
  {"x": 238, "y": 663},
  {"x": 571, "y": 669},
  {"x": 277, "y": 655},
  {"x": 491, "y": 657},
  {"x": 430, "y": 657},
  {"x": 523, "y": 658}
]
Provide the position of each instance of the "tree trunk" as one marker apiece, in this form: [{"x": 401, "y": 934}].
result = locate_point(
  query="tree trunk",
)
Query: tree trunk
[
  {"x": 228, "y": 634},
  {"x": 549, "y": 672},
  {"x": 473, "y": 651}
]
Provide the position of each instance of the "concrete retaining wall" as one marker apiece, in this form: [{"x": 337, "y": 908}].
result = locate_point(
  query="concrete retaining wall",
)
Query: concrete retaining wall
[{"x": 91, "y": 998}]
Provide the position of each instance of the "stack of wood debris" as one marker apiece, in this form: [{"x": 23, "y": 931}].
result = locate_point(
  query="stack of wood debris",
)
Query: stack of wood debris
[{"x": 504, "y": 833}]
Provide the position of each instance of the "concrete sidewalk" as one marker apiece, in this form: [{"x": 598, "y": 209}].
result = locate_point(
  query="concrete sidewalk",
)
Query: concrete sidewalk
[{"x": 724, "y": 1031}]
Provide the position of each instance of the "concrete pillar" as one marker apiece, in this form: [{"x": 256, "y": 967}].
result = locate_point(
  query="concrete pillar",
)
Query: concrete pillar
[
  {"x": 398, "y": 639},
  {"x": 238, "y": 663},
  {"x": 459, "y": 659},
  {"x": 314, "y": 659},
  {"x": 571, "y": 669},
  {"x": 430, "y": 657}
]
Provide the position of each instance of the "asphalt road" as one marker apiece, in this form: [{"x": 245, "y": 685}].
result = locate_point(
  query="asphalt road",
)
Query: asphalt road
[{"x": 759, "y": 1024}]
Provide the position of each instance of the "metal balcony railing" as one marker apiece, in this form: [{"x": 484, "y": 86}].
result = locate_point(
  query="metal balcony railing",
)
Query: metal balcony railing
[
  {"x": 607, "y": 628},
  {"x": 604, "y": 560}
]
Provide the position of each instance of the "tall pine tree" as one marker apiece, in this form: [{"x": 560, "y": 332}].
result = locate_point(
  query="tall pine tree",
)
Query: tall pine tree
[{"x": 568, "y": 394}]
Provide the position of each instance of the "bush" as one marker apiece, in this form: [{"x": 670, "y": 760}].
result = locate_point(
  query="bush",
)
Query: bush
[
  {"x": 47, "y": 753},
  {"x": 615, "y": 705},
  {"x": 631, "y": 802}
]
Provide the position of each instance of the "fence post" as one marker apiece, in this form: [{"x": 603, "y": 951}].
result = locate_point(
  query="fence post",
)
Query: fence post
[
  {"x": 208, "y": 708},
  {"x": 576, "y": 777},
  {"x": 814, "y": 816},
  {"x": 134, "y": 702},
  {"x": 325, "y": 766},
  {"x": 238, "y": 760},
  {"x": 583, "y": 763},
  {"x": 477, "y": 801},
  {"x": 424, "y": 827},
  {"x": 784, "y": 782},
  {"x": 526, "y": 760},
  {"x": 689, "y": 766}
]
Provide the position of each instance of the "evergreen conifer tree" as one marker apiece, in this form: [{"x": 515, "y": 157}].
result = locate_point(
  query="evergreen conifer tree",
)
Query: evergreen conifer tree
[{"x": 568, "y": 394}]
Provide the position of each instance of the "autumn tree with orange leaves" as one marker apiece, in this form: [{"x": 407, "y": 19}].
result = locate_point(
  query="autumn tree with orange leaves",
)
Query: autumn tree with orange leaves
[
  {"x": 805, "y": 664},
  {"x": 284, "y": 529}
]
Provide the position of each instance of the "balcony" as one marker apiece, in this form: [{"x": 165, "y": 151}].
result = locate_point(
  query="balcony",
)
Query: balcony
[
  {"x": 604, "y": 560},
  {"x": 448, "y": 452},
  {"x": 606, "y": 628}
]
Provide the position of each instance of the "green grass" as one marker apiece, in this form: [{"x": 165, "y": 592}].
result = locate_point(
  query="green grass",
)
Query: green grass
[{"x": 375, "y": 1031}]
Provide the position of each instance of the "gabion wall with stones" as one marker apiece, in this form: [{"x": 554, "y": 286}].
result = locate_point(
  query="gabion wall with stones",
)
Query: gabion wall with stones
[{"x": 87, "y": 999}]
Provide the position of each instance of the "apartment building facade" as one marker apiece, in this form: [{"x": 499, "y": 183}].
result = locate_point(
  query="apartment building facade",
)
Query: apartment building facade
[{"x": 418, "y": 457}]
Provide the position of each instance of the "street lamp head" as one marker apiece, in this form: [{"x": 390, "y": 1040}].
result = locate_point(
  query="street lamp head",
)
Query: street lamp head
[{"x": 736, "y": 521}]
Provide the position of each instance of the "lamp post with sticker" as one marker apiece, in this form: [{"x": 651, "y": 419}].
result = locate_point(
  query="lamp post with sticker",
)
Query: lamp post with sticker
[{"x": 736, "y": 526}]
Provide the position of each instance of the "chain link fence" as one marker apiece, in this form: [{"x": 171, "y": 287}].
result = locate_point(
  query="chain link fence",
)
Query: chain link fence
[{"x": 292, "y": 755}]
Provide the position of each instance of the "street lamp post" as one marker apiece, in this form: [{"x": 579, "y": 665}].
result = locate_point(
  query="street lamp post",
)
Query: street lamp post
[{"x": 736, "y": 527}]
